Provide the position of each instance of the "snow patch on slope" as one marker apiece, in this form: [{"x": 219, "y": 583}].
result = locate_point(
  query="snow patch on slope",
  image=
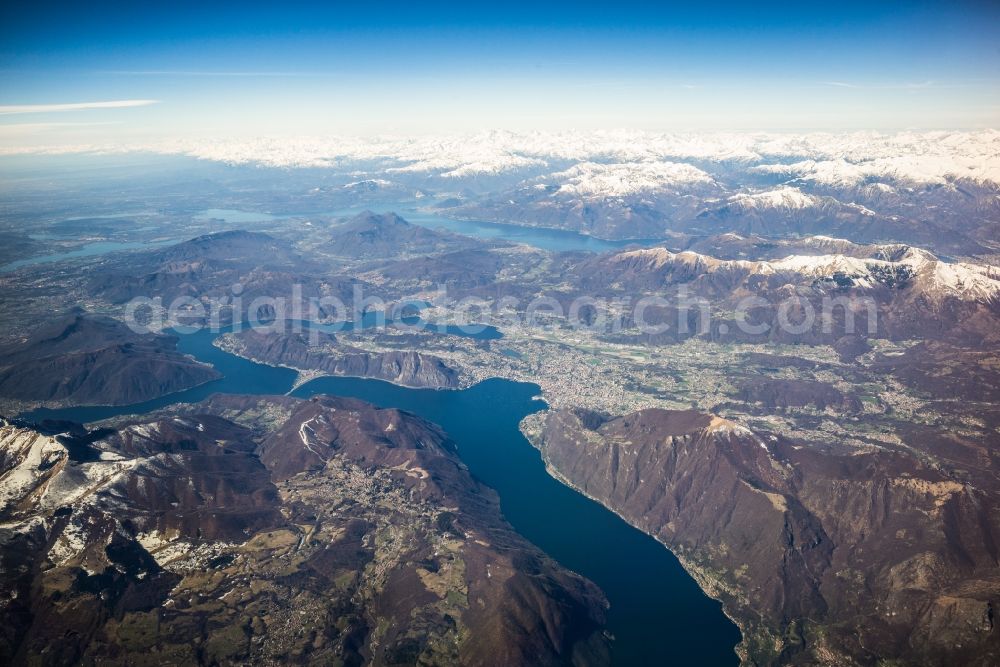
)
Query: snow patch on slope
[{"x": 30, "y": 459}]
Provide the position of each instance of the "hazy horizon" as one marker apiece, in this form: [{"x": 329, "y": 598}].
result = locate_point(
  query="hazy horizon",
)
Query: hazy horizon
[{"x": 130, "y": 75}]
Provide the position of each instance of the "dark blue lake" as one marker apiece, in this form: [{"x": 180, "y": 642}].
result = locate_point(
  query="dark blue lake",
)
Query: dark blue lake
[{"x": 658, "y": 614}]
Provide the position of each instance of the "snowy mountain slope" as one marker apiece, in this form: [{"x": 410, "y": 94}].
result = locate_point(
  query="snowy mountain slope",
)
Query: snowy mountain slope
[
  {"x": 939, "y": 190},
  {"x": 891, "y": 266},
  {"x": 593, "y": 180},
  {"x": 785, "y": 197}
]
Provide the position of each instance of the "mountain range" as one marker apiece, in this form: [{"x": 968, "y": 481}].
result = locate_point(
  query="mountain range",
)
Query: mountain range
[{"x": 285, "y": 531}]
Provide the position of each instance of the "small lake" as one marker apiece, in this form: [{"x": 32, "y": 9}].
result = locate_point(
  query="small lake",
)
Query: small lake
[{"x": 658, "y": 614}]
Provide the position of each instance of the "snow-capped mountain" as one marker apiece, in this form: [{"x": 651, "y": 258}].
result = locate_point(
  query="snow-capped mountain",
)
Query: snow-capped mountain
[
  {"x": 888, "y": 266},
  {"x": 788, "y": 199},
  {"x": 29, "y": 461},
  {"x": 932, "y": 189},
  {"x": 592, "y": 180}
]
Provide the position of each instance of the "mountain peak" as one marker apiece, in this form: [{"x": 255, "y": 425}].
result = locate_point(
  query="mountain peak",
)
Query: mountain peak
[{"x": 370, "y": 219}]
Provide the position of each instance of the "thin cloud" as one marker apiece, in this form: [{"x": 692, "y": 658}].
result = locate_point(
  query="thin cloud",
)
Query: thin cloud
[
  {"x": 13, "y": 129},
  {"x": 9, "y": 109},
  {"x": 174, "y": 72},
  {"x": 916, "y": 85}
]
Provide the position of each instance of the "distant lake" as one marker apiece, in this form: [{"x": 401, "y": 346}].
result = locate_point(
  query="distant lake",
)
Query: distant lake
[
  {"x": 557, "y": 240},
  {"x": 658, "y": 614},
  {"x": 88, "y": 250}
]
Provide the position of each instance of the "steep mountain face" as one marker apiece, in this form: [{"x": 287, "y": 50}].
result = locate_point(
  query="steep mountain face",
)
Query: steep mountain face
[
  {"x": 286, "y": 531},
  {"x": 91, "y": 360},
  {"x": 914, "y": 293},
  {"x": 820, "y": 557},
  {"x": 321, "y": 352}
]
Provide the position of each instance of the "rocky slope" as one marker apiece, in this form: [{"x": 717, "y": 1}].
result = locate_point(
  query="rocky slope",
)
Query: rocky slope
[
  {"x": 316, "y": 351},
  {"x": 272, "y": 531},
  {"x": 822, "y": 558},
  {"x": 908, "y": 292}
]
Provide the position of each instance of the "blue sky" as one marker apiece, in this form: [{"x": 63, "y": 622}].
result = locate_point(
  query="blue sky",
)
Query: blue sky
[{"x": 181, "y": 70}]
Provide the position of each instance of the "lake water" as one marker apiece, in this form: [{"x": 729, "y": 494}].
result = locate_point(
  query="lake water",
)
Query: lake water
[
  {"x": 88, "y": 250},
  {"x": 658, "y": 614}
]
